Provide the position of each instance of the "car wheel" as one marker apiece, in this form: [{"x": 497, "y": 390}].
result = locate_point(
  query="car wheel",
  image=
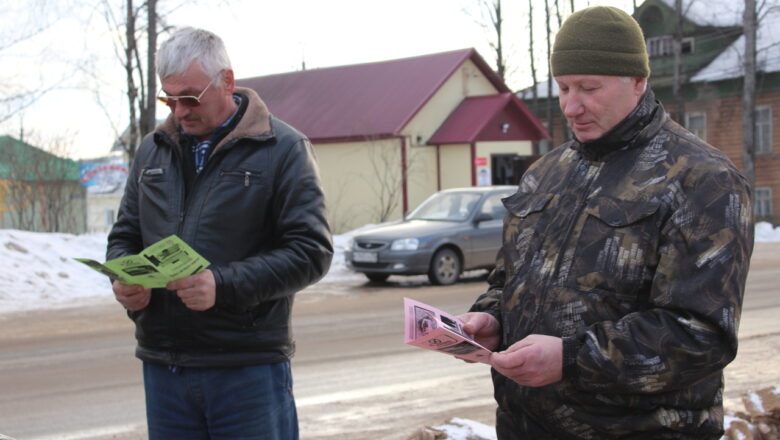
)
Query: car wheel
[
  {"x": 377, "y": 277},
  {"x": 445, "y": 267}
]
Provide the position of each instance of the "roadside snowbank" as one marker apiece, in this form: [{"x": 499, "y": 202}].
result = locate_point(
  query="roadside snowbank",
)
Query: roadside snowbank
[{"x": 37, "y": 270}]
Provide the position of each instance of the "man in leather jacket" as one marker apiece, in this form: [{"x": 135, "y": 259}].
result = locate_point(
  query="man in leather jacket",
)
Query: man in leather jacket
[
  {"x": 616, "y": 297},
  {"x": 242, "y": 188}
]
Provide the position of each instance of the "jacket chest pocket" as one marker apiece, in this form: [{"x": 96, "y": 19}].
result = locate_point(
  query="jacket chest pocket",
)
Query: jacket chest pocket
[
  {"x": 525, "y": 227},
  {"x": 237, "y": 201},
  {"x": 154, "y": 197},
  {"x": 245, "y": 178},
  {"x": 618, "y": 245}
]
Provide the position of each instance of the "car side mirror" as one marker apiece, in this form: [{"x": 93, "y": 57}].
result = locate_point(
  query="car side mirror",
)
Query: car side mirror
[{"x": 482, "y": 217}]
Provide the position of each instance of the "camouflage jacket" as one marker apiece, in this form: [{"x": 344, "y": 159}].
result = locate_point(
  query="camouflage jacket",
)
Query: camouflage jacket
[{"x": 634, "y": 249}]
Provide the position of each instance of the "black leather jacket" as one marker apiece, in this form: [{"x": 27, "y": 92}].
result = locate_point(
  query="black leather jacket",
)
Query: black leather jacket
[{"x": 256, "y": 212}]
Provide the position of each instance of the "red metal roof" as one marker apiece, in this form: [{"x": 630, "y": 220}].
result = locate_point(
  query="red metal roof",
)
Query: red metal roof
[
  {"x": 361, "y": 100},
  {"x": 480, "y": 118}
]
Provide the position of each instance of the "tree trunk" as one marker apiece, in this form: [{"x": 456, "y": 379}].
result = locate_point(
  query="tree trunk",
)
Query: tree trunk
[
  {"x": 549, "y": 73},
  {"x": 749, "y": 94},
  {"x": 132, "y": 91},
  {"x": 535, "y": 91},
  {"x": 149, "y": 119},
  {"x": 678, "y": 71},
  {"x": 498, "y": 23}
]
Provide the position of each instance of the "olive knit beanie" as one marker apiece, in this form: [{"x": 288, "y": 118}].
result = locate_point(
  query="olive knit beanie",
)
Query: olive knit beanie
[{"x": 600, "y": 40}]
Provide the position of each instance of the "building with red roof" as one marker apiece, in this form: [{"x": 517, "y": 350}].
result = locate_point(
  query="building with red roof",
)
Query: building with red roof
[{"x": 389, "y": 134}]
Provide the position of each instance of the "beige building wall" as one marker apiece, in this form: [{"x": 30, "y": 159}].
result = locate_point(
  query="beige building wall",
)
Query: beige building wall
[
  {"x": 362, "y": 182},
  {"x": 421, "y": 174},
  {"x": 467, "y": 81},
  {"x": 455, "y": 163},
  {"x": 102, "y": 210}
]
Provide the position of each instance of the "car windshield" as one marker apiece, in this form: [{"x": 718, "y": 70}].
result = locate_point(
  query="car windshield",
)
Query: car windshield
[{"x": 446, "y": 206}]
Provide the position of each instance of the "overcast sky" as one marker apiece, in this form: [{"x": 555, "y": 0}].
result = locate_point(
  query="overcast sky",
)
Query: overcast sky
[{"x": 263, "y": 37}]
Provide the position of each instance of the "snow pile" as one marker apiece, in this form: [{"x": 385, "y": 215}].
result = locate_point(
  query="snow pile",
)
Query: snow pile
[
  {"x": 338, "y": 267},
  {"x": 455, "y": 429},
  {"x": 759, "y": 421},
  {"x": 766, "y": 232},
  {"x": 38, "y": 270}
]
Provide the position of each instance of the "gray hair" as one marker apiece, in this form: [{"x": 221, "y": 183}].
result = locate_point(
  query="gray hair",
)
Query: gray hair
[{"x": 188, "y": 45}]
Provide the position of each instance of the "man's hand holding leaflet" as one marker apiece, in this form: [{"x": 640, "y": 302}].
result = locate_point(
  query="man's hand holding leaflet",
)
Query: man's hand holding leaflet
[
  {"x": 430, "y": 328},
  {"x": 167, "y": 260}
]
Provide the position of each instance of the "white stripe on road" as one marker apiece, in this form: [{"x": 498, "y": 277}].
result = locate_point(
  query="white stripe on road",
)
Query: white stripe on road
[{"x": 102, "y": 432}]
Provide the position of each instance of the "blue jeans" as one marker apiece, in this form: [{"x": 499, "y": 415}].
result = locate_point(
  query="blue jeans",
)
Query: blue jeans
[{"x": 254, "y": 402}]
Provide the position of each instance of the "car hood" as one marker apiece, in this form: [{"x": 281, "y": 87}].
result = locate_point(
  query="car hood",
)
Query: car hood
[{"x": 409, "y": 229}]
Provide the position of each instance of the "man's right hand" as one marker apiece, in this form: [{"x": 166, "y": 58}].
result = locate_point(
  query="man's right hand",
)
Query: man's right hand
[
  {"x": 483, "y": 327},
  {"x": 133, "y": 298}
]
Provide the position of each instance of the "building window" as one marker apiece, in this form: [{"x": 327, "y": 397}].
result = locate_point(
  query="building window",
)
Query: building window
[
  {"x": 109, "y": 216},
  {"x": 696, "y": 123},
  {"x": 763, "y": 202},
  {"x": 763, "y": 129},
  {"x": 659, "y": 46},
  {"x": 664, "y": 45},
  {"x": 686, "y": 46}
]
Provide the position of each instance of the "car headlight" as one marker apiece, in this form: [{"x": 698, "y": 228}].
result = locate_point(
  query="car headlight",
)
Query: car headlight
[{"x": 405, "y": 244}]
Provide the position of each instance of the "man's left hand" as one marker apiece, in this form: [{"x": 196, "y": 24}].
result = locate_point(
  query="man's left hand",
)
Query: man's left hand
[
  {"x": 197, "y": 292},
  {"x": 535, "y": 361}
]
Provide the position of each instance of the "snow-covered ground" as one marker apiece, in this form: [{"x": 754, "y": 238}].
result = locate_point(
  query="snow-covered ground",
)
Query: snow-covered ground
[{"x": 37, "y": 270}]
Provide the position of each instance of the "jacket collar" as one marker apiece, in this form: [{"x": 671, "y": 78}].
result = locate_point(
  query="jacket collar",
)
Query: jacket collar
[
  {"x": 255, "y": 121},
  {"x": 641, "y": 124}
]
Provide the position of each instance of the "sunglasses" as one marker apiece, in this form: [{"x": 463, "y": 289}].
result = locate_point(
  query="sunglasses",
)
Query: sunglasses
[{"x": 185, "y": 100}]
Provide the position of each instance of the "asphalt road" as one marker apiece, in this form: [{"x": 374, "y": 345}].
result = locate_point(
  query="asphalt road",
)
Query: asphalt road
[{"x": 70, "y": 374}]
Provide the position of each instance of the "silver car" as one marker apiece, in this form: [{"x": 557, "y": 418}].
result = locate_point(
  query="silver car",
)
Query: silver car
[{"x": 452, "y": 231}]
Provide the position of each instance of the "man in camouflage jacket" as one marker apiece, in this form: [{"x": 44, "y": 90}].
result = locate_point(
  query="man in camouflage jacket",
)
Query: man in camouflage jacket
[{"x": 616, "y": 297}]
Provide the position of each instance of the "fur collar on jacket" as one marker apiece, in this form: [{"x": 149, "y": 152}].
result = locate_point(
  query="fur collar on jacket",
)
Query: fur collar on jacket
[{"x": 254, "y": 122}]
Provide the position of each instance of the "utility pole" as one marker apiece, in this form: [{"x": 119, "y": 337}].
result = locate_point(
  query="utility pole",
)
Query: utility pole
[{"x": 749, "y": 93}]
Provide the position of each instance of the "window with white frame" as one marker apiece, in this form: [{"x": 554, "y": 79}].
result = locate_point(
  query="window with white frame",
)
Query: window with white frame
[
  {"x": 763, "y": 202},
  {"x": 763, "y": 140},
  {"x": 664, "y": 45},
  {"x": 696, "y": 123},
  {"x": 659, "y": 46}
]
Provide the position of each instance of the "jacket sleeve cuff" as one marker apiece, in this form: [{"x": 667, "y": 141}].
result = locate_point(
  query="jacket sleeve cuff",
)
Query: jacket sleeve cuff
[
  {"x": 488, "y": 303},
  {"x": 225, "y": 297},
  {"x": 570, "y": 349}
]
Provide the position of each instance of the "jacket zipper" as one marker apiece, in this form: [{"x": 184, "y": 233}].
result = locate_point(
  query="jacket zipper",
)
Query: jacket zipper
[{"x": 564, "y": 244}]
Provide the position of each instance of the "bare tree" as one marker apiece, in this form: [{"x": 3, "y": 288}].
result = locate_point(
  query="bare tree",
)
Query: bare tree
[
  {"x": 140, "y": 76},
  {"x": 749, "y": 92},
  {"x": 23, "y": 23},
  {"x": 385, "y": 180},
  {"x": 490, "y": 10},
  {"x": 531, "y": 55}
]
